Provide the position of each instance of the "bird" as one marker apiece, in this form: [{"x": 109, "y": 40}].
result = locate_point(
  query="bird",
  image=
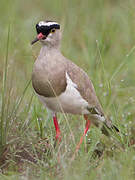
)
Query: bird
[{"x": 61, "y": 85}]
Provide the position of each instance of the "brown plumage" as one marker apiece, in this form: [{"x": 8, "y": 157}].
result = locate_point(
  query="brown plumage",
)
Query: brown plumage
[
  {"x": 60, "y": 84},
  {"x": 46, "y": 79}
]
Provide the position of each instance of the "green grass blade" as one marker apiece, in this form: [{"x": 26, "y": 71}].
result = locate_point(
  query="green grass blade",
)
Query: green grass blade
[{"x": 2, "y": 131}]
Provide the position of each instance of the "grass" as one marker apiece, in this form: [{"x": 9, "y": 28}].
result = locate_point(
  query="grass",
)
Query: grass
[{"x": 99, "y": 36}]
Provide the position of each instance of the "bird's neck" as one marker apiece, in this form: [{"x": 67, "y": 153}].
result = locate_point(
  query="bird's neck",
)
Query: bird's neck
[{"x": 48, "y": 50}]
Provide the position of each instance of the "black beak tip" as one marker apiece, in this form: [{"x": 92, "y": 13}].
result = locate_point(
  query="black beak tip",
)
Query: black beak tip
[{"x": 34, "y": 41}]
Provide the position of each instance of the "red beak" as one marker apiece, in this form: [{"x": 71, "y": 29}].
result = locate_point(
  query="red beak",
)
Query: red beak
[{"x": 39, "y": 37}]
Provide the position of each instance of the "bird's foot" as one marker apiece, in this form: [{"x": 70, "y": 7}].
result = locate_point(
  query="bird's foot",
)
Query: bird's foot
[
  {"x": 58, "y": 137},
  {"x": 87, "y": 126}
]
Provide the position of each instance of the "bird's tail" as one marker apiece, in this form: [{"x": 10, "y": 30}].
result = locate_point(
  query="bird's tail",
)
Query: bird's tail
[
  {"x": 105, "y": 129},
  {"x": 99, "y": 118}
]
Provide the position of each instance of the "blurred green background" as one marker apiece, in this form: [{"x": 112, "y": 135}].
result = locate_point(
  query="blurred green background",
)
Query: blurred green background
[{"x": 99, "y": 36}]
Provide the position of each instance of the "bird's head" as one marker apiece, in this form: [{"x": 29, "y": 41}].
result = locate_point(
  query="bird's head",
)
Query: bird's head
[{"x": 48, "y": 33}]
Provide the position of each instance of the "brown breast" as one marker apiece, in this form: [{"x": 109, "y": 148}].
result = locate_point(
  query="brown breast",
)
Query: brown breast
[{"x": 48, "y": 77}]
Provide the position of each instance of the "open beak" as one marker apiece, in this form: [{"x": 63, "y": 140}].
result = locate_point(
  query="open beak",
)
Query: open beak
[{"x": 39, "y": 37}]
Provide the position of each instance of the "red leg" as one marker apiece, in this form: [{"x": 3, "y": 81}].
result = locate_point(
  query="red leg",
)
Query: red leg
[
  {"x": 87, "y": 126},
  {"x": 58, "y": 138}
]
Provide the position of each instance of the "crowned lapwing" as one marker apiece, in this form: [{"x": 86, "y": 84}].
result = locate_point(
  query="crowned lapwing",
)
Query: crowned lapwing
[{"x": 61, "y": 85}]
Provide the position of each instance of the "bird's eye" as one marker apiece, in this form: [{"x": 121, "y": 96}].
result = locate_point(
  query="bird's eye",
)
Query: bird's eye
[{"x": 52, "y": 30}]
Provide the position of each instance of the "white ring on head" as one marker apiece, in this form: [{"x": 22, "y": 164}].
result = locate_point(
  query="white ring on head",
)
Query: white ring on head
[{"x": 42, "y": 23}]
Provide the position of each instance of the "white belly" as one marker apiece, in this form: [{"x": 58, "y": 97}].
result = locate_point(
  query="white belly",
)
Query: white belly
[{"x": 69, "y": 101}]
